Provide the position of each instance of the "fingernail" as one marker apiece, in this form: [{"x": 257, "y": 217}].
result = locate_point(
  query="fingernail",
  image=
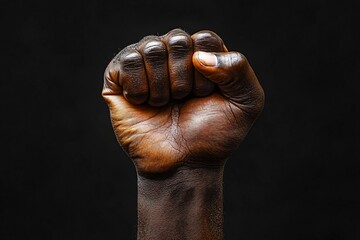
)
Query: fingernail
[{"x": 207, "y": 59}]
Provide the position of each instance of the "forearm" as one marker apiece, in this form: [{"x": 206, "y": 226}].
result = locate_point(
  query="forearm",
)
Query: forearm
[{"x": 185, "y": 204}]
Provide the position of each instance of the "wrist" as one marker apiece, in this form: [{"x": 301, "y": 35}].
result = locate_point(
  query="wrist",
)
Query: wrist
[{"x": 184, "y": 204}]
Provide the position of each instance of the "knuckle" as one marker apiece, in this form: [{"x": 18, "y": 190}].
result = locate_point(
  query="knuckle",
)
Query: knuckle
[
  {"x": 154, "y": 51},
  {"x": 205, "y": 33},
  {"x": 242, "y": 58},
  {"x": 132, "y": 61},
  {"x": 176, "y": 31},
  {"x": 179, "y": 43},
  {"x": 207, "y": 40},
  {"x": 238, "y": 60}
]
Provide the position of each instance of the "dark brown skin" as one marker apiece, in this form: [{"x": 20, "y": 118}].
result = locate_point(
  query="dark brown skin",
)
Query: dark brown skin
[{"x": 179, "y": 113}]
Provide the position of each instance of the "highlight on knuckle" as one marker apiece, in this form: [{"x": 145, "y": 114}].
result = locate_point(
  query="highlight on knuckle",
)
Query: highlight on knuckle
[
  {"x": 208, "y": 40},
  {"x": 154, "y": 51},
  {"x": 235, "y": 61},
  {"x": 242, "y": 61},
  {"x": 132, "y": 61},
  {"x": 179, "y": 43}
]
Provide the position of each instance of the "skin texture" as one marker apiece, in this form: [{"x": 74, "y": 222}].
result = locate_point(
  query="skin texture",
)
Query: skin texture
[{"x": 179, "y": 106}]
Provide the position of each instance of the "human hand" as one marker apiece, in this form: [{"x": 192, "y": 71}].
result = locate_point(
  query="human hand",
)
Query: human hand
[{"x": 173, "y": 104}]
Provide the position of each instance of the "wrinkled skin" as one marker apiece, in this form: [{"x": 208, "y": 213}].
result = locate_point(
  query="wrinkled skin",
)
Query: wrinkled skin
[{"x": 169, "y": 110}]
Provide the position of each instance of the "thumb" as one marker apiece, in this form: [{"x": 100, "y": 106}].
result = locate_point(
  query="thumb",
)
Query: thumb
[{"x": 233, "y": 75}]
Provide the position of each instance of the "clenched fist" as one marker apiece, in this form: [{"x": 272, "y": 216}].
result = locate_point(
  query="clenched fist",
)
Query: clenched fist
[{"x": 181, "y": 100}]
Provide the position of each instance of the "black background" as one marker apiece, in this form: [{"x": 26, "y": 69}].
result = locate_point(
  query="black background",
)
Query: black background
[{"x": 63, "y": 175}]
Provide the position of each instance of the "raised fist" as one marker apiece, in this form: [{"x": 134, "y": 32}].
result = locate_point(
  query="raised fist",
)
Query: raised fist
[{"x": 181, "y": 100}]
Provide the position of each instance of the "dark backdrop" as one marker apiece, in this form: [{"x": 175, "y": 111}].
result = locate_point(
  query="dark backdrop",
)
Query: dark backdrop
[{"x": 63, "y": 175}]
